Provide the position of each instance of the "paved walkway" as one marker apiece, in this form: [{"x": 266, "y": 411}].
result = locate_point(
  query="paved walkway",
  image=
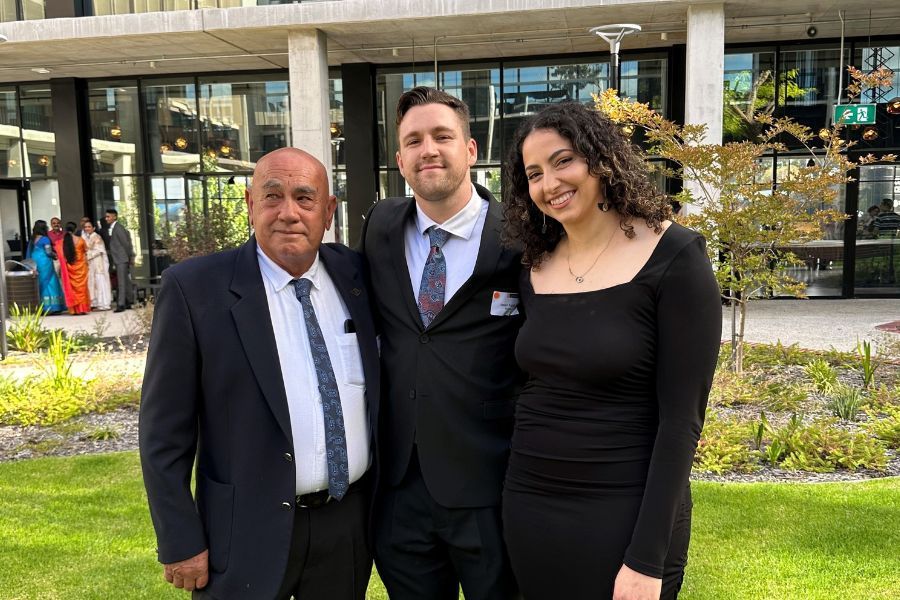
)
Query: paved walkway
[{"x": 818, "y": 324}]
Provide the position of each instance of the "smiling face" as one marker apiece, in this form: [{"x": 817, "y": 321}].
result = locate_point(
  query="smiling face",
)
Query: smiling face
[
  {"x": 88, "y": 227},
  {"x": 559, "y": 181},
  {"x": 290, "y": 208},
  {"x": 435, "y": 155},
  {"x": 55, "y": 224}
]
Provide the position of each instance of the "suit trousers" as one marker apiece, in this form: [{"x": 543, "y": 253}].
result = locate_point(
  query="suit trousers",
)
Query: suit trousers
[
  {"x": 329, "y": 558},
  {"x": 124, "y": 291},
  {"x": 425, "y": 550}
]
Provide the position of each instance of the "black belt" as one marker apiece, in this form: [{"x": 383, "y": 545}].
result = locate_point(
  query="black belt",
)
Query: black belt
[{"x": 322, "y": 497}]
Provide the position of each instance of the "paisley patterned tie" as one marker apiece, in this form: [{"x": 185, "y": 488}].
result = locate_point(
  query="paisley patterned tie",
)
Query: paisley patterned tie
[
  {"x": 335, "y": 437},
  {"x": 434, "y": 277}
]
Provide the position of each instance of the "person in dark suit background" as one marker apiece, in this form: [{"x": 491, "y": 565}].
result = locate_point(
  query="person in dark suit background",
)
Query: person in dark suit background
[
  {"x": 263, "y": 367},
  {"x": 446, "y": 293},
  {"x": 121, "y": 253}
]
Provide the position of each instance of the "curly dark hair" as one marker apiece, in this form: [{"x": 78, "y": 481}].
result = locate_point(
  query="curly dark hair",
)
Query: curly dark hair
[{"x": 610, "y": 156}]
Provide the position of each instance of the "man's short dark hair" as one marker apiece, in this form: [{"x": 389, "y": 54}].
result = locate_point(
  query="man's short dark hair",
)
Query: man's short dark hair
[
  {"x": 420, "y": 96},
  {"x": 112, "y": 211}
]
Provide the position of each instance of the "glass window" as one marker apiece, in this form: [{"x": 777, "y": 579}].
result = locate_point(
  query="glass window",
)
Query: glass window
[
  {"x": 124, "y": 194},
  {"x": 808, "y": 85},
  {"x": 336, "y": 114},
  {"x": 644, "y": 80},
  {"x": 480, "y": 90},
  {"x": 33, "y": 9},
  {"x": 749, "y": 89},
  {"x": 115, "y": 127},
  {"x": 8, "y": 11},
  {"x": 242, "y": 120},
  {"x": 172, "y": 126},
  {"x": 871, "y": 58},
  {"x": 11, "y": 163},
  {"x": 124, "y": 7},
  {"x": 878, "y": 242},
  {"x": 37, "y": 131}
]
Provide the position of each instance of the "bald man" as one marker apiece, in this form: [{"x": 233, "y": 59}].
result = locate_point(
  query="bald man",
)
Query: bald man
[{"x": 263, "y": 368}]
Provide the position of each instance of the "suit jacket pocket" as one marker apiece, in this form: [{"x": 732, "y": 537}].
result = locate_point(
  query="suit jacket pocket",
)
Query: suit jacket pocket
[
  {"x": 215, "y": 502},
  {"x": 501, "y": 408}
]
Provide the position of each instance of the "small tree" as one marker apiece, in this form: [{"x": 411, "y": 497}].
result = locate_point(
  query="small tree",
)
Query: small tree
[{"x": 749, "y": 224}]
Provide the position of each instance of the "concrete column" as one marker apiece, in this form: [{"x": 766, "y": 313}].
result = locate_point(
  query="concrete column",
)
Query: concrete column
[
  {"x": 308, "y": 64},
  {"x": 310, "y": 117},
  {"x": 705, "y": 71}
]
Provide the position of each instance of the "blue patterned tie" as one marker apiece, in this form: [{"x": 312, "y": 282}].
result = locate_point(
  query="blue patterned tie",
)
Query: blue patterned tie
[
  {"x": 434, "y": 277},
  {"x": 335, "y": 437}
]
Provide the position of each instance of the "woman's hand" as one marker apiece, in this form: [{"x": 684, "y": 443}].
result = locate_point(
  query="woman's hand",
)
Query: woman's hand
[{"x": 631, "y": 585}]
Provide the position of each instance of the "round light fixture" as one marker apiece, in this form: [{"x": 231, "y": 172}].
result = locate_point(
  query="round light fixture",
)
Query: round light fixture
[
  {"x": 165, "y": 148},
  {"x": 893, "y": 106},
  {"x": 115, "y": 131},
  {"x": 225, "y": 150},
  {"x": 870, "y": 134},
  {"x": 44, "y": 160},
  {"x": 181, "y": 143},
  {"x": 12, "y": 162}
]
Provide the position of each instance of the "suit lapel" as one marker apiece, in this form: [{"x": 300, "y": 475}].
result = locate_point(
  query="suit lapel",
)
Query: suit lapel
[
  {"x": 398, "y": 257},
  {"x": 254, "y": 326},
  {"x": 489, "y": 252}
]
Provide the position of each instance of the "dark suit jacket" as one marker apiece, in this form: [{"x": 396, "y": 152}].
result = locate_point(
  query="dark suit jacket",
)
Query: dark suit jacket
[
  {"x": 213, "y": 389},
  {"x": 120, "y": 248},
  {"x": 449, "y": 389}
]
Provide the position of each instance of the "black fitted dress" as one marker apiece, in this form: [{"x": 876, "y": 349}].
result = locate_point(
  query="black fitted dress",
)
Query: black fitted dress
[{"x": 607, "y": 425}]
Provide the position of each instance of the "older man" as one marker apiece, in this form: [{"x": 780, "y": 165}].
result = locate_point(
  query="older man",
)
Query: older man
[{"x": 263, "y": 368}]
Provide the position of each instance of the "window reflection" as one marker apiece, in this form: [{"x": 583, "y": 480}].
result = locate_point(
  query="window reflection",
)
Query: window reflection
[
  {"x": 240, "y": 121},
  {"x": 172, "y": 126},
  {"x": 115, "y": 127},
  {"x": 749, "y": 89}
]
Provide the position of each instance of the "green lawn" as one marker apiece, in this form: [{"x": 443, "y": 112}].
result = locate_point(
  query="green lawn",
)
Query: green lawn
[{"x": 79, "y": 528}]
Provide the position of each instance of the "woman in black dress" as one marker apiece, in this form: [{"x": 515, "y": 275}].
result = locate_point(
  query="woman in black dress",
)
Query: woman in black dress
[{"x": 622, "y": 330}]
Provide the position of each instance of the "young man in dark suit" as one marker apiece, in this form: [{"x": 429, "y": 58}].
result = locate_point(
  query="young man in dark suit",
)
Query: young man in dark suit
[
  {"x": 446, "y": 292},
  {"x": 263, "y": 368},
  {"x": 121, "y": 254}
]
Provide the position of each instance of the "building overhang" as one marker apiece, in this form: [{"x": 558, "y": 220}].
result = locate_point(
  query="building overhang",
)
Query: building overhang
[{"x": 385, "y": 32}]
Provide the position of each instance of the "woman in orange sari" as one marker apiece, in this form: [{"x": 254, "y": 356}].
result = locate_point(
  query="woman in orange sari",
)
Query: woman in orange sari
[{"x": 74, "y": 271}]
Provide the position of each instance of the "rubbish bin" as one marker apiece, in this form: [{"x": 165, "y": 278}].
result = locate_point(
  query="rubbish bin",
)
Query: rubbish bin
[{"x": 21, "y": 285}]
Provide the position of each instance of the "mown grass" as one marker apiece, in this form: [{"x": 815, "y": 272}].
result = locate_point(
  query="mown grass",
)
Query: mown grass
[{"x": 79, "y": 528}]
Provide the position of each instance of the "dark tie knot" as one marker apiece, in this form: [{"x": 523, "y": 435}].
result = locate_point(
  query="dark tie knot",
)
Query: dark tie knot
[
  {"x": 437, "y": 237},
  {"x": 301, "y": 287}
]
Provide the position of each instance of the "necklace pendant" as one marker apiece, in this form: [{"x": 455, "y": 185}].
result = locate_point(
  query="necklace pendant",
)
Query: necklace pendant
[{"x": 579, "y": 280}]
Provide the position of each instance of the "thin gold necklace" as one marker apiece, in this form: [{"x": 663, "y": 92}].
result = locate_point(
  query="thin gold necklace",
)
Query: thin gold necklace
[{"x": 580, "y": 278}]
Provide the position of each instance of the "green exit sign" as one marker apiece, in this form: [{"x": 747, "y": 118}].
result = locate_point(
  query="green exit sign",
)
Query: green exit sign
[{"x": 854, "y": 114}]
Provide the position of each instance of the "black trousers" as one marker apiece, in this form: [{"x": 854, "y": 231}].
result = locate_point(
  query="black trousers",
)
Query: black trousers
[
  {"x": 426, "y": 551},
  {"x": 329, "y": 558}
]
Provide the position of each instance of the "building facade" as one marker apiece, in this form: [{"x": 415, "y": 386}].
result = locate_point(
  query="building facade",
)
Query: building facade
[{"x": 160, "y": 108}]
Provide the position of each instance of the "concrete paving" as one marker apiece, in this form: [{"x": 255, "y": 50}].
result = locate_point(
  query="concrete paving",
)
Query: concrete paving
[{"x": 815, "y": 324}]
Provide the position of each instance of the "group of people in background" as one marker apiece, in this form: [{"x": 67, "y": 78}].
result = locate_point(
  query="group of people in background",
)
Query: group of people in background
[{"x": 73, "y": 265}]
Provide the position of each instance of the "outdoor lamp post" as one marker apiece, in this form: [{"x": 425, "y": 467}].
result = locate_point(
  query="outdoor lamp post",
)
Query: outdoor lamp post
[{"x": 613, "y": 34}]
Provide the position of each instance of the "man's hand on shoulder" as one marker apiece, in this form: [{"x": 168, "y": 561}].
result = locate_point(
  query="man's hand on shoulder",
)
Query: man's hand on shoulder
[{"x": 191, "y": 574}]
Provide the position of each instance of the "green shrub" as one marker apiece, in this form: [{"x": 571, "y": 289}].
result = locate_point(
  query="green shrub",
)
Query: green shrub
[
  {"x": 868, "y": 362},
  {"x": 731, "y": 389},
  {"x": 37, "y": 401},
  {"x": 26, "y": 331},
  {"x": 724, "y": 447},
  {"x": 778, "y": 395},
  {"x": 822, "y": 375},
  {"x": 883, "y": 396},
  {"x": 823, "y": 447},
  {"x": 885, "y": 425},
  {"x": 767, "y": 355},
  {"x": 845, "y": 402}
]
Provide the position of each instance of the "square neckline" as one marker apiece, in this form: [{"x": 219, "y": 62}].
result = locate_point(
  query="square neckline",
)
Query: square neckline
[{"x": 639, "y": 272}]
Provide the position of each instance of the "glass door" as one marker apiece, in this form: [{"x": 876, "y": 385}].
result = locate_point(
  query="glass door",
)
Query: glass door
[{"x": 877, "y": 266}]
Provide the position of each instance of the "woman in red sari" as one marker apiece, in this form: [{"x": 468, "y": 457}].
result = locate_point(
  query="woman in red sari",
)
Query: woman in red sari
[{"x": 74, "y": 271}]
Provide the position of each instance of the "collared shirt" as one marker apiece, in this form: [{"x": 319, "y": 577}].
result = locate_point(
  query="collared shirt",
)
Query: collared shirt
[
  {"x": 460, "y": 250},
  {"x": 301, "y": 386}
]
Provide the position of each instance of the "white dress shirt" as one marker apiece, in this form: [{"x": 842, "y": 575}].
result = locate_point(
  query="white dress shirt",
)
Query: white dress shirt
[
  {"x": 298, "y": 373},
  {"x": 460, "y": 250}
]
